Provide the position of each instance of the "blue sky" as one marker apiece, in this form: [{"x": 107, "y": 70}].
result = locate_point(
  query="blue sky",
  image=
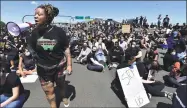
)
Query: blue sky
[{"x": 118, "y": 10}]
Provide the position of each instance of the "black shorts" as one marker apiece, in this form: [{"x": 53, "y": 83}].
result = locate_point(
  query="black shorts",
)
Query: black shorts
[{"x": 52, "y": 75}]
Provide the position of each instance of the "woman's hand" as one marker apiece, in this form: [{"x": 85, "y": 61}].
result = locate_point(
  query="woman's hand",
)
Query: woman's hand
[
  {"x": 23, "y": 74},
  {"x": 69, "y": 69}
]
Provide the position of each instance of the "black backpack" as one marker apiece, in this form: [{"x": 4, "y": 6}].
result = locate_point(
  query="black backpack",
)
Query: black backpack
[{"x": 180, "y": 97}]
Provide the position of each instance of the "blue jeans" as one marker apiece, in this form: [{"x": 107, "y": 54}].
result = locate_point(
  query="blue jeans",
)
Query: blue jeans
[
  {"x": 101, "y": 57},
  {"x": 18, "y": 103}
]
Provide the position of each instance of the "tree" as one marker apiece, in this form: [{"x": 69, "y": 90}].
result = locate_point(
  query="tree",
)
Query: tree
[{"x": 2, "y": 24}]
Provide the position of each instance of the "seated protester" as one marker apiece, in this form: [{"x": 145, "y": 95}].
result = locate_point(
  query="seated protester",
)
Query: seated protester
[
  {"x": 116, "y": 54},
  {"x": 84, "y": 53},
  {"x": 151, "y": 86},
  {"x": 145, "y": 43},
  {"x": 101, "y": 45},
  {"x": 12, "y": 56},
  {"x": 101, "y": 51},
  {"x": 109, "y": 44},
  {"x": 151, "y": 55},
  {"x": 93, "y": 63},
  {"x": 175, "y": 77},
  {"x": 27, "y": 64},
  {"x": 134, "y": 51},
  {"x": 123, "y": 43},
  {"x": 169, "y": 59},
  {"x": 180, "y": 47},
  {"x": 12, "y": 91}
]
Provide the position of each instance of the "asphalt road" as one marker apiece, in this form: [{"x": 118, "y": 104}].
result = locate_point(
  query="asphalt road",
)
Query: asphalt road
[{"x": 91, "y": 89}]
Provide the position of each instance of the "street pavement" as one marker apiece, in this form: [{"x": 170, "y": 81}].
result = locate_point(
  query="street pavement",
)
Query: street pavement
[{"x": 92, "y": 89}]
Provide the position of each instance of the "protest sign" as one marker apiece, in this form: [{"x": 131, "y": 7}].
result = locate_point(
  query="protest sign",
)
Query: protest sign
[
  {"x": 29, "y": 78},
  {"x": 132, "y": 86},
  {"x": 126, "y": 28}
]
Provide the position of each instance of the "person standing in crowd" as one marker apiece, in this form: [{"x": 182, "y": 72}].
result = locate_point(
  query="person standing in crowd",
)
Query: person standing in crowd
[
  {"x": 51, "y": 59},
  {"x": 166, "y": 22},
  {"x": 141, "y": 21},
  {"x": 145, "y": 22},
  {"x": 159, "y": 20}
]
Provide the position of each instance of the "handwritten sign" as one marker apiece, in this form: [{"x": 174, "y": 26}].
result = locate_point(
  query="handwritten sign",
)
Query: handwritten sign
[
  {"x": 132, "y": 86},
  {"x": 126, "y": 28}
]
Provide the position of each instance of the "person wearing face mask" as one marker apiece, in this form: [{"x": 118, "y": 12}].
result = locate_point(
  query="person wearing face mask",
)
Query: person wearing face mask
[
  {"x": 151, "y": 55},
  {"x": 84, "y": 53},
  {"x": 134, "y": 51},
  {"x": 93, "y": 63},
  {"x": 12, "y": 93},
  {"x": 13, "y": 56},
  {"x": 123, "y": 43},
  {"x": 175, "y": 78},
  {"x": 28, "y": 62},
  {"x": 116, "y": 55},
  {"x": 101, "y": 51},
  {"x": 169, "y": 59}
]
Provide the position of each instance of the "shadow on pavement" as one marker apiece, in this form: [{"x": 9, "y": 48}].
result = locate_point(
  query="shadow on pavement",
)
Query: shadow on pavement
[
  {"x": 163, "y": 105},
  {"x": 70, "y": 93},
  {"x": 116, "y": 88}
]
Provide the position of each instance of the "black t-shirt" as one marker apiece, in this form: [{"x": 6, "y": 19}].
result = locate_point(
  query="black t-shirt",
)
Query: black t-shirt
[
  {"x": 117, "y": 51},
  {"x": 28, "y": 62},
  {"x": 169, "y": 60},
  {"x": 49, "y": 44},
  {"x": 132, "y": 52},
  {"x": 91, "y": 55},
  {"x": 109, "y": 45},
  {"x": 12, "y": 80},
  {"x": 140, "y": 66}
]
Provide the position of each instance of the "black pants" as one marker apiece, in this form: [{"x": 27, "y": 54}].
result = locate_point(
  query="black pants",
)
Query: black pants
[{"x": 155, "y": 89}]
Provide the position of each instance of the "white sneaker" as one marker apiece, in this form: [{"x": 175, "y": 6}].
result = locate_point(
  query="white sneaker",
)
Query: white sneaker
[
  {"x": 66, "y": 102},
  {"x": 149, "y": 95}
]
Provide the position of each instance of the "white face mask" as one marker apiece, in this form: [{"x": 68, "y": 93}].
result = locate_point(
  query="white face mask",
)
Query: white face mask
[
  {"x": 133, "y": 46},
  {"x": 27, "y": 53},
  {"x": 173, "y": 53}
]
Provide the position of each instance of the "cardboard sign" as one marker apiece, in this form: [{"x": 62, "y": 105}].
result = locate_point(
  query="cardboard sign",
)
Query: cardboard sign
[
  {"x": 126, "y": 28},
  {"x": 132, "y": 86}
]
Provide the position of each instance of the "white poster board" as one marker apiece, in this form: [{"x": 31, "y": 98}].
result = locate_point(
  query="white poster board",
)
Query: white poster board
[
  {"x": 132, "y": 86},
  {"x": 29, "y": 78}
]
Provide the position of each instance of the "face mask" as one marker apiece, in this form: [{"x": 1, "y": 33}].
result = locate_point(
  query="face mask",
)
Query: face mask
[
  {"x": 27, "y": 53},
  {"x": 133, "y": 46},
  {"x": 173, "y": 53}
]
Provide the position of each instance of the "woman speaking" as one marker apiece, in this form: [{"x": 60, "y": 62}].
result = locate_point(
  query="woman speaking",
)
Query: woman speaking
[{"x": 50, "y": 47}]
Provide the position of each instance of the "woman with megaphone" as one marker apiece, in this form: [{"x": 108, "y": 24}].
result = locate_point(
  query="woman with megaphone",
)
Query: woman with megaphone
[{"x": 49, "y": 45}]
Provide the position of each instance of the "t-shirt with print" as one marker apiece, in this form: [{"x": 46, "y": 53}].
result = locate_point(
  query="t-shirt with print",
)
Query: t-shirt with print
[{"x": 49, "y": 45}]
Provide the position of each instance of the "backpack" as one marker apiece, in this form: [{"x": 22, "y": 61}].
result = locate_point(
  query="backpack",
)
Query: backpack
[{"x": 180, "y": 97}]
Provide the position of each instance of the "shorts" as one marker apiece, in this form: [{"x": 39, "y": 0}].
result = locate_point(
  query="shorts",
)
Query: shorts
[{"x": 52, "y": 75}]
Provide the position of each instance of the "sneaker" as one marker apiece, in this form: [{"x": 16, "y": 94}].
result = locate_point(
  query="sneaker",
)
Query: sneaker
[
  {"x": 169, "y": 95},
  {"x": 66, "y": 102}
]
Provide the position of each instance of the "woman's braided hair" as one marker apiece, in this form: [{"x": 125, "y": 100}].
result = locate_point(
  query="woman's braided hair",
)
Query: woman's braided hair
[{"x": 50, "y": 11}]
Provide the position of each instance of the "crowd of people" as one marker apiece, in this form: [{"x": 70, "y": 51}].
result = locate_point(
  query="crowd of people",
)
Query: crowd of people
[{"x": 97, "y": 44}]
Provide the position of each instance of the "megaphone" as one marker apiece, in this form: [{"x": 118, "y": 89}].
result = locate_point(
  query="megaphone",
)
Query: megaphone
[{"x": 15, "y": 29}]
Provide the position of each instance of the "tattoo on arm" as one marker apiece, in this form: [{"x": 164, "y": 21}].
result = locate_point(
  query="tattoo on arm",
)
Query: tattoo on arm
[
  {"x": 68, "y": 56},
  {"x": 67, "y": 52}
]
